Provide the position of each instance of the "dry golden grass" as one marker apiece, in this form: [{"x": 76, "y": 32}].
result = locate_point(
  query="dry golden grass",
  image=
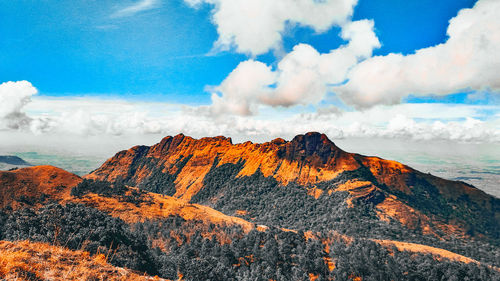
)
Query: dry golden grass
[
  {"x": 423, "y": 249},
  {"x": 25, "y": 260},
  {"x": 160, "y": 206}
]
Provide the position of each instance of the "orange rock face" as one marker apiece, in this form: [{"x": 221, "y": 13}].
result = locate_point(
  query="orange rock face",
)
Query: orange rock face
[{"x": 306, "y": 160}]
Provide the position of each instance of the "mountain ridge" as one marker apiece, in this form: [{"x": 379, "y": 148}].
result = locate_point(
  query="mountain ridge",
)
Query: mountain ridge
[
  {"x": 36, "y": 186},
  {"x": 307, "y": 159}
]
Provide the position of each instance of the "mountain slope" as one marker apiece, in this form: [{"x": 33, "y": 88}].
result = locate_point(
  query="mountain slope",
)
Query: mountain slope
[
  {"x": 12, "y": 162},
  {"x": 208, "y": 171},
  {"x": 38, "y": 186},
  {"x": 307, "y": 160},
  {"x": 34, "y": 185}
]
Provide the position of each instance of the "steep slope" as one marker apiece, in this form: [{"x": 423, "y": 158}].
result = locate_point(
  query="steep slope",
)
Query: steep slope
[
  {"x": 23, "y": 260},
  {"x": 204, "y": 170}
]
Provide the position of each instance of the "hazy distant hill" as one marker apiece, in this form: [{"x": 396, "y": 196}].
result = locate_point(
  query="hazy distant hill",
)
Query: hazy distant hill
[
  {"x": 10, "y": 162},
  {"x": 13, "y": 160}
]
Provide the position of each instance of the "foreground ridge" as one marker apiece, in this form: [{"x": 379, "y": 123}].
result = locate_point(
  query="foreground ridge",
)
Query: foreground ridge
[{"x": 24, "y": 260}]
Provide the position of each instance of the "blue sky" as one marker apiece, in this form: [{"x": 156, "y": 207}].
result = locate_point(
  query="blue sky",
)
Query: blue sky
[
  {"x": 254, "y": 69},
  {"x": 79, "y": 48}
]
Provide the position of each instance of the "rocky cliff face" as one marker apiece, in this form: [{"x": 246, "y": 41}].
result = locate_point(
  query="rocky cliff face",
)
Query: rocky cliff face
[{"x": 306, "y": 160}]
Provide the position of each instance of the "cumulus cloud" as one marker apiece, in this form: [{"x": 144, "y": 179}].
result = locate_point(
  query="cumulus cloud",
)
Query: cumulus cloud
[
  {"x": 137, "y": 7},
  {"x": 13, "y": 97},
  {"x": 256, "y": 26},
  {"x": 243, "y": 86},
  {"x": 468, "y": 60},
  {"x": 302, "y": 77}
]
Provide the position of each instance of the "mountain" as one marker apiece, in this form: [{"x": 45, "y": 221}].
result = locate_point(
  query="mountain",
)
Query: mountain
[
  {"x": 34, "y": 185},
  {"x": 212, "y": 170},
  {"x": 207, "y": 209}
]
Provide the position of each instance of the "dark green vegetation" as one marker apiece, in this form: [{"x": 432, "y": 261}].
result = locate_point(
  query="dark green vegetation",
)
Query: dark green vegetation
[
  {"x": 373, "y": 262},
  {"x": 269, "y": 203},
  {"x": 79, "y": 227},
  {"x": 117, "y": 190},
  {"x": 172, "y": 247},
  {"x": 476, "y": 217}
]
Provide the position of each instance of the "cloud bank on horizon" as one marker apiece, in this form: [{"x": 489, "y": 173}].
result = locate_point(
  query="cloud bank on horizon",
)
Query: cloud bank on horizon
[
  {"x": 97, "y": 117},
  {"x": 345, "y": 92}
]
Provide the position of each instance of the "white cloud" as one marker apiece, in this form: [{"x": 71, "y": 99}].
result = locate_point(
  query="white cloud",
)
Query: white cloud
[
  {"x": 240, "y": 89},
  {"x": 301, "y": 77},
  {"x": 95, "y": 117},
  {"x": 13, "y": 97},
  {"x": 470, "y": 130},
  {"x": 137, "y": 7},
  {"x": 256, "y": 26},
  {"x": 98, "y": 117},
  {"x": 467, "y": 60}
]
